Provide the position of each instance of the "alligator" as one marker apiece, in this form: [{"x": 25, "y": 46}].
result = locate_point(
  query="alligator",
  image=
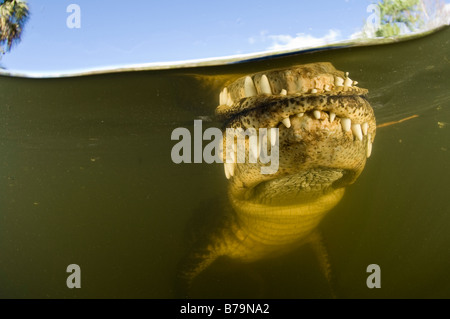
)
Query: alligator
[{"x": 326, "y": 128}]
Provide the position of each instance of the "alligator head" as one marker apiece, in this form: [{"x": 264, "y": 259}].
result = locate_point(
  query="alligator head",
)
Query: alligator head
[{"x": 326, "y": 128}]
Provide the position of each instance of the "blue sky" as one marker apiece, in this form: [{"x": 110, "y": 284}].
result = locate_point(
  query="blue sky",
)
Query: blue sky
[{"x": 114, "y": 33}]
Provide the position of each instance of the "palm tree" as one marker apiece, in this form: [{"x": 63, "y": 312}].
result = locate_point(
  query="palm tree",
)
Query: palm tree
[{"x": 13, "y": 16}]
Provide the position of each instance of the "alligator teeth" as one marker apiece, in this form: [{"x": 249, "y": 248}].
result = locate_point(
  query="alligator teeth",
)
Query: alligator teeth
[
  {"x": 287, "y": 122},
  {"x": 230, "y": 168},
  {"x": 265, "y": 85},
  {"x": 369, "y": 146},
  {"x": 317, "y": 114},
  {"x": 356, "y": 129},
  {"x": 338, "y": 81},
  {"x": 223, "y": 96},
  {"x": 346, "y": 124},
  {"x": 273, "y": 136},
  {"x": 283, "y": 92},
  {"x": 231, "y": 155},
  {"x": 253, "y": 147},
  {"x": 327, "y": 88},
  {"x": 369, "y": 149},
  {"x": 300, "y": 114},
  {"x": 365, "y": 128},
  {"x": 249, "y": 87},
  {"x": 332, "y": 116},
  {"x": 225, "y": 168},
  {"x": 348, "y": 82},
  {"x": 355, "y": 82},
  {"x": 229, "y": 100},
  {"x": 313, "y": 91}
]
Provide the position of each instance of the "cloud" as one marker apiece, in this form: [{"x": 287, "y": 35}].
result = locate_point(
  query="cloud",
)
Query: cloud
[
  {"x": 299, "y": 41},
  {"x": 262, "y": 37},
  {"x": 283, "y": 42}
]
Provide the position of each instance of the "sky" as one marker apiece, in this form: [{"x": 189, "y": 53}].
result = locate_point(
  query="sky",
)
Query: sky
[{"x": 115, "y": 33}]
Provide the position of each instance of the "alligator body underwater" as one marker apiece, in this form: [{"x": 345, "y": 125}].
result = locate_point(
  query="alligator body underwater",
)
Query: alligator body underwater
[{"x": 326, "y": 128}]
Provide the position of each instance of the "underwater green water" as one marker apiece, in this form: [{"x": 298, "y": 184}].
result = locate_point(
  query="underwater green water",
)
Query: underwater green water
[{"x": 87, "y": 178}]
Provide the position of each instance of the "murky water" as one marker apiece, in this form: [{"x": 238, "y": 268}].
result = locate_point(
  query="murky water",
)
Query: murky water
[{"x": 87, "y": 179}]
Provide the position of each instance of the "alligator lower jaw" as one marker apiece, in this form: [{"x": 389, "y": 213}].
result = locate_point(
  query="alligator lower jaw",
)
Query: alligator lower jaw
[
  {"x": 297, "y": 188},
  {"x": 290, "y": 191},
  {"x": 319, "y": 156}
]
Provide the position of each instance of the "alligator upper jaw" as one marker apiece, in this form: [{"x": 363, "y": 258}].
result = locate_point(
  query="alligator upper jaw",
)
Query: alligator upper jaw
[
  {"x": 266, "y": 99},
  {"x": 310, "y": 79}
]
